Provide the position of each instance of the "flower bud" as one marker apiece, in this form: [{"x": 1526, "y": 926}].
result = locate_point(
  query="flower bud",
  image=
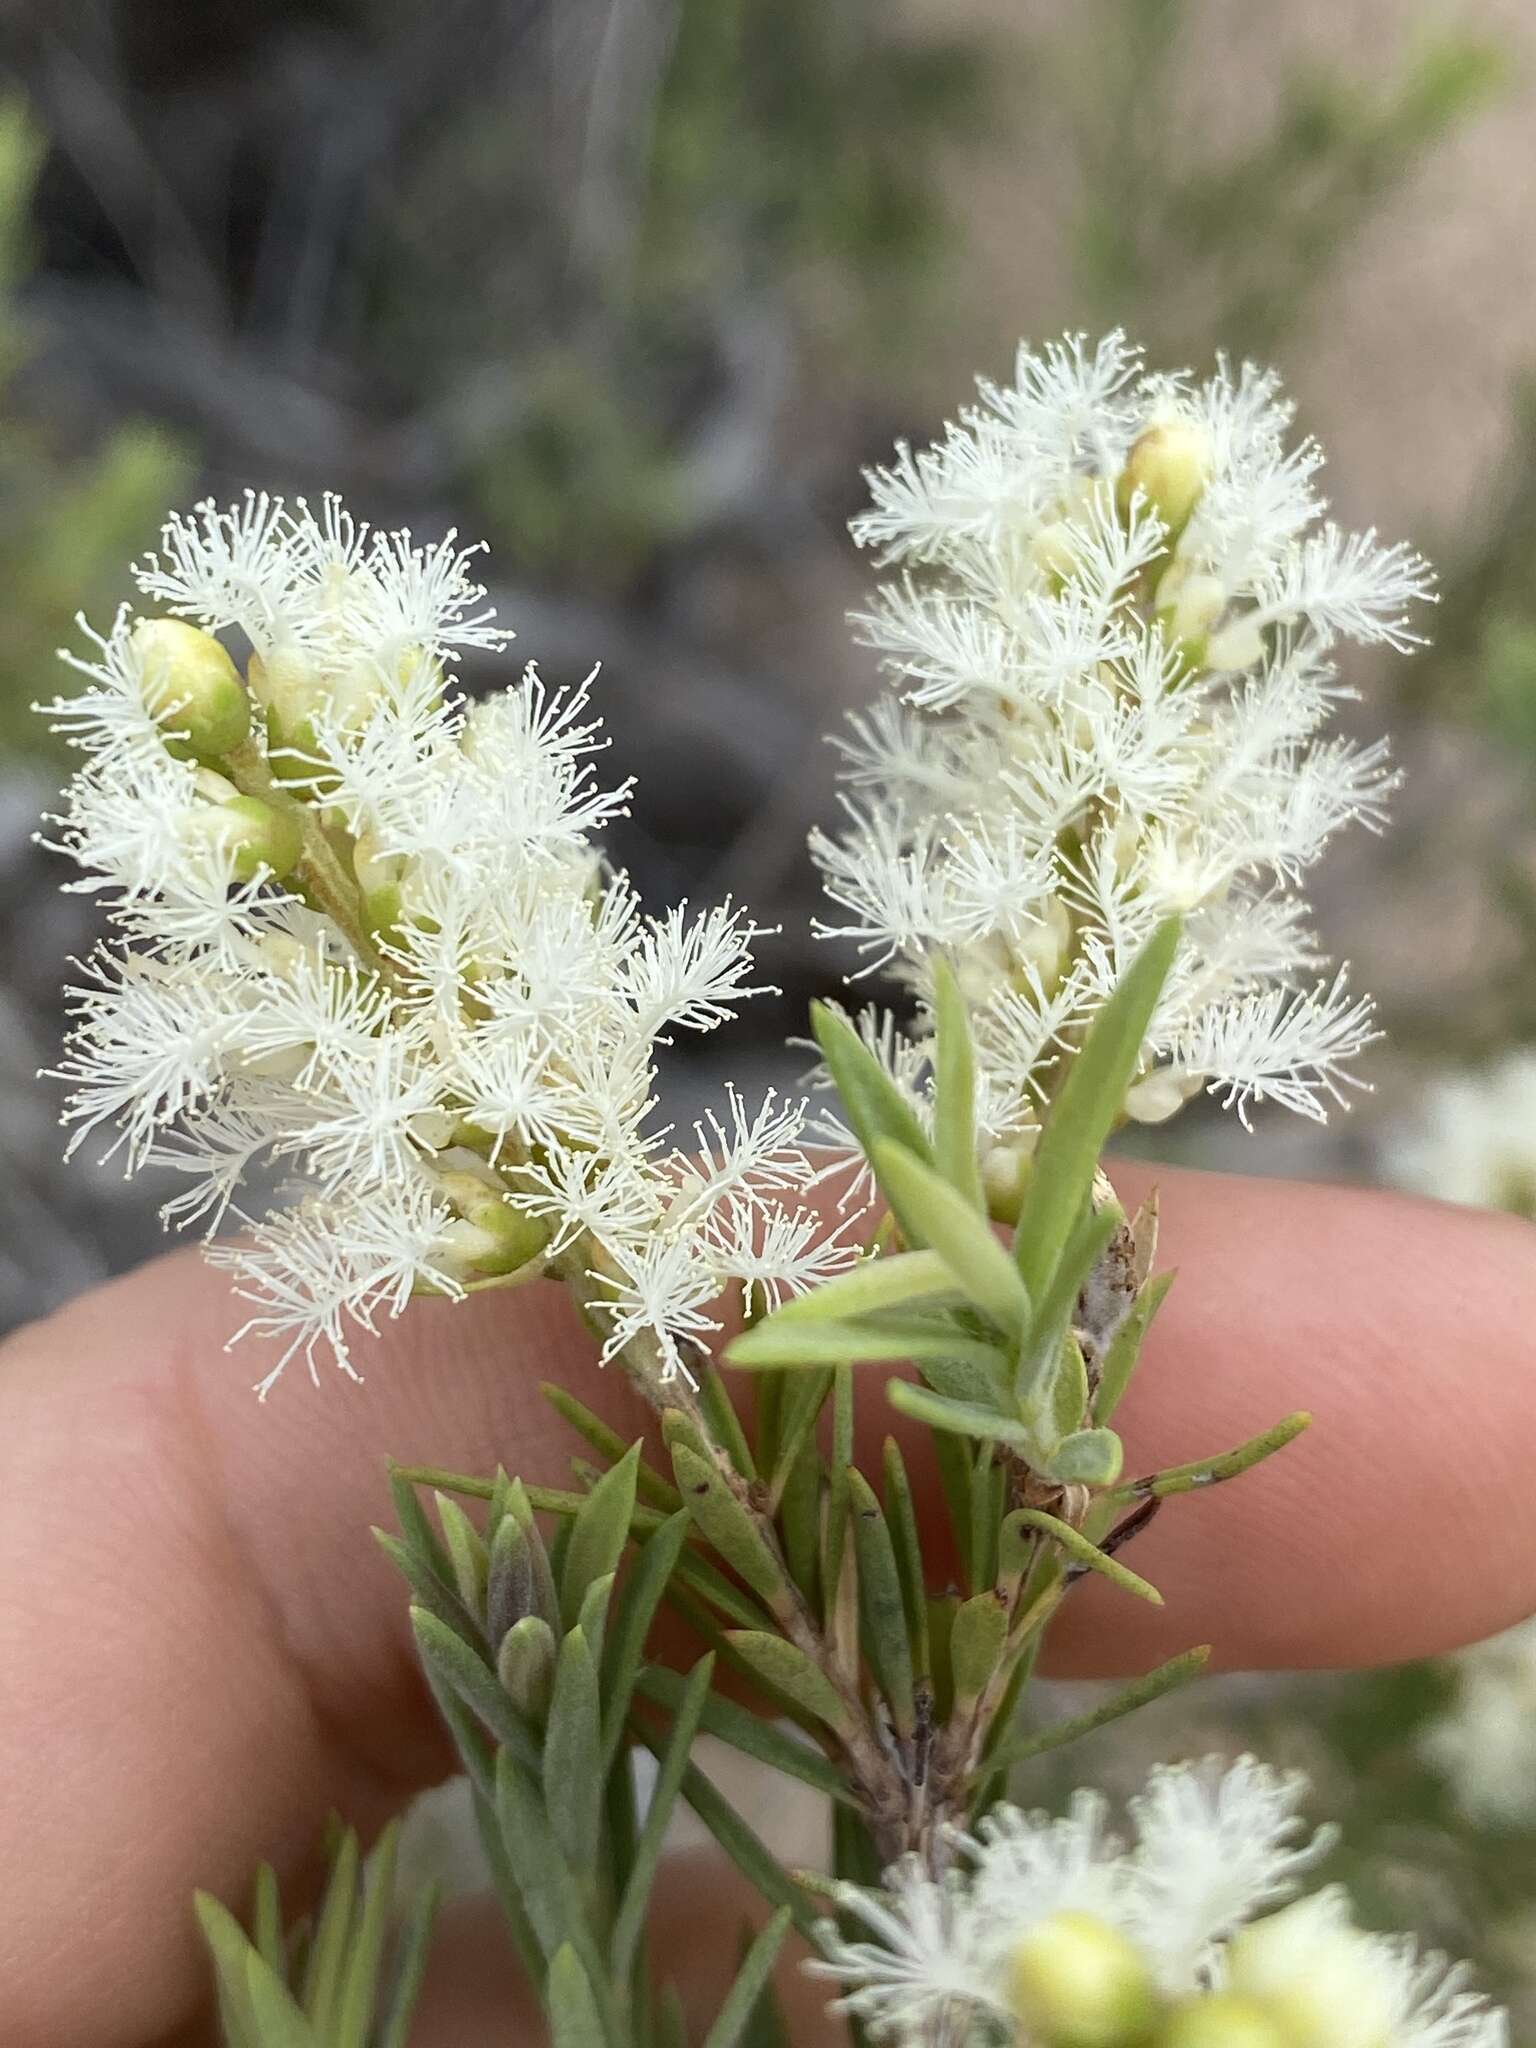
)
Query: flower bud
[
  {"x": 494, "y": 1237},
  {"x": 1317, "y": 1977},
  {"x": 1223, "y": 2020},
  {"x": 1076, "y": 1982},
  {"x": 1239, "y": 645},
  {"x": 259, "y": 837},
  {"x": 191, "y": 688},
  {"x": 1158, "y": 1096},
  {"x": 1170, "y": 465}
]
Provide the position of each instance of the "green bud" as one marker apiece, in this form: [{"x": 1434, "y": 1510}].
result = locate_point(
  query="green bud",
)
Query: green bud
[
  {"x": 1076, "y": 1982},
  {"x": 191, "y": 688},
  {"x": 266, "y": 838},
  {"x": 1224, "y": 2020},
  {"x": 495, "y": 1236},
  {"x": 1319, "y": 1980},
  {"x": 1170, "y": 465}
]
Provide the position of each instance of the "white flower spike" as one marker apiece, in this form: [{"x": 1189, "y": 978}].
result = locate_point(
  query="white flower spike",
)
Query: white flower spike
[
  {"x": 1111, "y": 623},
  {"x": 366, "y": 936}
]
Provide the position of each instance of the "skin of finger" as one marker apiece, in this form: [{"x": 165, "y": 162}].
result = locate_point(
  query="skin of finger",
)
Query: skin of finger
[{"x": 203, "y": 1650}]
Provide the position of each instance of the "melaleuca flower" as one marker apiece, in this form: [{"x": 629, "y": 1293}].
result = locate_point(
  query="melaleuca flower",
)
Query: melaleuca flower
[
  {"x": 366, "y": 936},
  {"x": 1059, "y": 1934},
  {"x": 1111, "y": 623},
  {"x": 1485, "y": 1739}
]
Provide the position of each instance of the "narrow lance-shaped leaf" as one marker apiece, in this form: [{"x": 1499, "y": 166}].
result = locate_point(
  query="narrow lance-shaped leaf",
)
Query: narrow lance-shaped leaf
[
  {"x": 960, "y": 1235},
  {"x": 787, "y": 1671},
  {"x": 1124, "y": 1354},
  {"x": 954, "y": 1090},
  {"x": 752, "y": 1734},
  {"x": 959, "y": 1418},
  {"x": 1176, "y": 1672},
  {"x": 734, "y": 2017},
  {"x": 1212, "y": 1471},
  {"x": 599, "y": 1534},
  {"x": 1084, "y": 1113},
  {"x": 874, "y": 1106},
  {"x": 1088, "y": 1555},
  {"x": 609, "y": 1445},
  {"x": 881, "y": 1603},
  {"x": 728, "y": 1525},
  {"x": 573, "y": 1756},
  {"x": 1053, "y": 1316},
  {"x": 574, "y": 2018},
  {"x": 863, "y": 1341},
  {"x": 901, "y": 1519},
  {"x": 976, "y": 1644},
  {"x": 625, "y": 1648},
  {"x": 889, "y": 1281},
  {"x": 630, "y": 1922},
  {"x": 360, "y": 1980}
]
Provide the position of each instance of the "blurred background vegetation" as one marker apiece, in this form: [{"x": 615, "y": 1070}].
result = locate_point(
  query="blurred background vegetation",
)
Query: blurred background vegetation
[{"x": 633, "y": 288}]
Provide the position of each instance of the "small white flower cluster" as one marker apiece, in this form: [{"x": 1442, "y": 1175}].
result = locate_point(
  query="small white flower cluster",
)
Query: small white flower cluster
[
  {"x": 1472, "y": 1138},
  {"x": 1055, "y": 1931},
  {"x": 1485, "y": 1742},
  {"x": 1111, "y": 629},
  {"x": 366, "y": 936}
]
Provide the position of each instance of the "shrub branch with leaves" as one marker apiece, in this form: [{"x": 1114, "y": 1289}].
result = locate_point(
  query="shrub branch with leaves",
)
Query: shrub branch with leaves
[{"x": 364, "y": 933}]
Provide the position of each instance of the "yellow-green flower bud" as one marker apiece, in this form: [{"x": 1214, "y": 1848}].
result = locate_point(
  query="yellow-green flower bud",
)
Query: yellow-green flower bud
[
  {"x": 1076, "y": 1982},
  {"x": 257, "y": 834},
  {"x": 1170, "y": 464},
  {"x": 191, "y": 688},
  {"x": 1224, "y": 2020},
  {"x": 1320, "y": 1981},
  {"x": 494, "y": 1237}
]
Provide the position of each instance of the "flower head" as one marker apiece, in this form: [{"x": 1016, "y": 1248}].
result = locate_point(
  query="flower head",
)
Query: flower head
[
  {"x": 1111, "y": 613},
  {"x": 1060, "y": 1934},
  {"x": 365, "y": 933}
]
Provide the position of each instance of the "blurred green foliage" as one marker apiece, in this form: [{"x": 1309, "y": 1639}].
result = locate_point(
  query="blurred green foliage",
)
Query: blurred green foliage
[
  {"x": 782, "y": 177},
  {"x": 70, "y": 519},
  {"x": 1183, "y": 240}
]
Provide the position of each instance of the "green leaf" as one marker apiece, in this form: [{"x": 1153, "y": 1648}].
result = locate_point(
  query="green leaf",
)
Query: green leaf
[
  {"x": 573, "y": 1754},
  {"x": 959, "y": 1418},
  {"x": 874, "y": 1106},
  {"x": 752, "y": 1735},
  {"x": 625, "y": 1648},
  {"x": 746, "y": 1850},
  {"x": 360, "y": 1980},
  {"x": 415, "y": 1524},
  {"x": 954, "y": 1090},
  {"x": 800, "y": 1519},
  {"x": 253, "y": 1999},
  {"x": 1053, "y": 1317},
  {"x": 267, "y": 1921},
  {"x": 509, "y": 1580},
  {"x": 1177, "y": 1671},
  {"x": 599, "y": 1534},
  {"x": 882, "y": 1606},
  {"x": 630, "y": 1923},
  {"x": 1089, "y": 1457},
  {"x": 724, "y": 1422},
  {"x": 546, "y": 1884},
  {"x": 976, "y": 1645},
  {"x": 874, "y": 1283},
  {"x": 804, "y": 1399},
  {"x": 735, "y": 2015},
  {"x": 1084, "y": 1113},
  {"x": 465, "y": 1673},
  {"x": 428, "y": 1590},
  {"x": 321, "y": 1990},
  {"x": 727, "y": 1524},
  {"x": 1124, "y": 1353},
  {"x": 1212, "y": 1471},
  {"x": 610, "y": 1446},
  {"x": 794, "y": 1346},
  {"x": 960, "y": 1235},
  {"x": 574, "y": 2020},
  {"x": 901, "y": 1519},
  {"x": 1087, "y": 1555},
  {"x": 410, "y": 1968},
  {"x": 1069, "y": 1389},
  {"x": 466, "y": 1553},
  {"x": 790, "y": 1673}
]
